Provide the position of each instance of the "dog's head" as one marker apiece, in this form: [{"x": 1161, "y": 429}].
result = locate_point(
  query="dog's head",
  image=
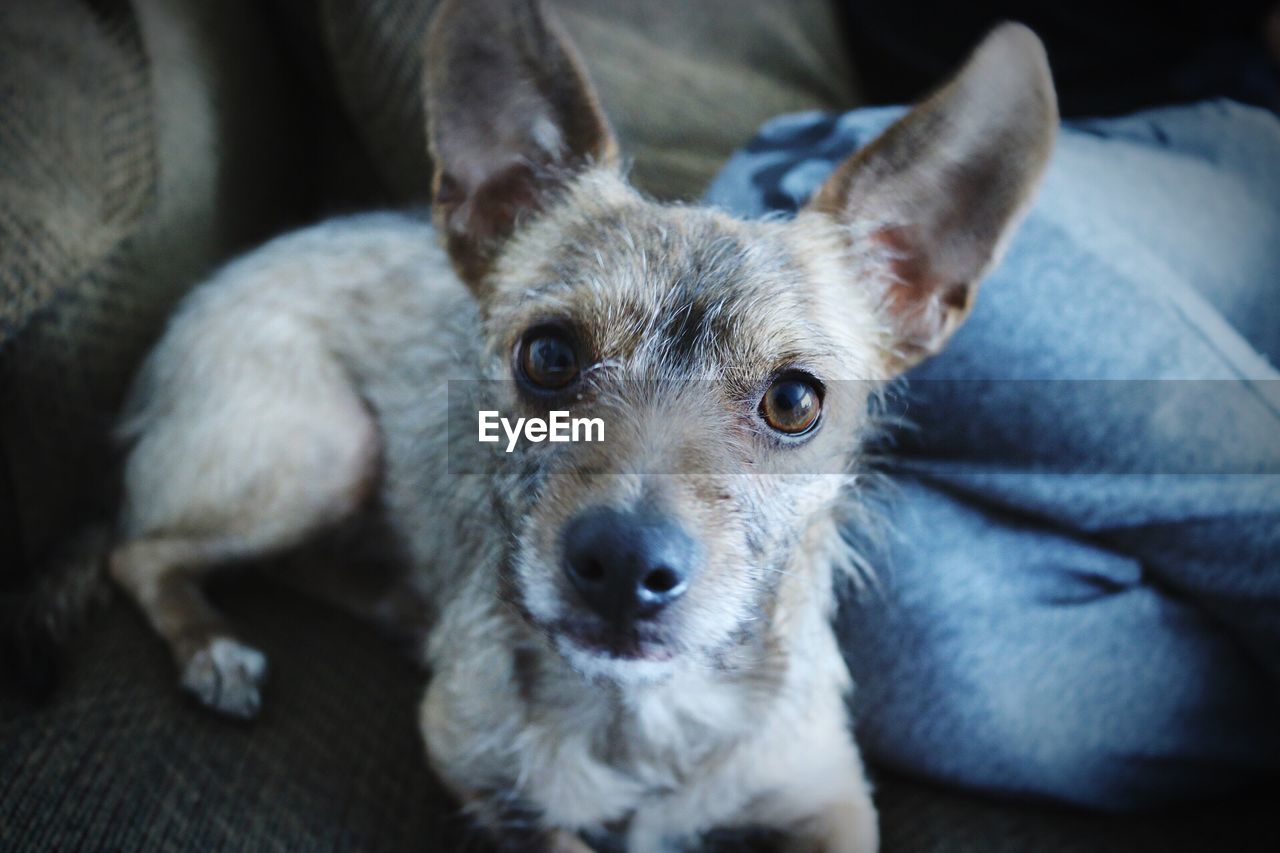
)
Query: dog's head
[{"x": 730, "y": 361}]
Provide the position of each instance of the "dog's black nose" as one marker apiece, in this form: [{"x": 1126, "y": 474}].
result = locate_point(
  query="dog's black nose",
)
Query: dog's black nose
[{"x": 625, "y": 565}]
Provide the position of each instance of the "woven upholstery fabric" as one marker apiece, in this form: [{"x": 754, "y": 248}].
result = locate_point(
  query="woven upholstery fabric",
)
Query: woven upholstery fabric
[
  {"x": 683, "y": 83},
  {"x": 60, "y": 384},
  {"x": 924, "y": 819},
  {"x": 225, "y": 140},
  {"x": 77, "y": 163},
  {"x": 120, "y": 759},
  {"x": 123, "y": 760}
]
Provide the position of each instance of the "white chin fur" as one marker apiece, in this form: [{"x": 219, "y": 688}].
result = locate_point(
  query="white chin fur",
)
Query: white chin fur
[{"x": 599, "y": 666}]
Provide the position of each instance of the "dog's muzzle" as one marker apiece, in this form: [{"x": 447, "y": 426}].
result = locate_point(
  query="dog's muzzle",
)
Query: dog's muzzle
[{"x": 627, "y": 567}]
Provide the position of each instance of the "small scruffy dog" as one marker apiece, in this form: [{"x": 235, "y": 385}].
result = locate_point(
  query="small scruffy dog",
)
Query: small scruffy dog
[{"x": 625, "y": 636}]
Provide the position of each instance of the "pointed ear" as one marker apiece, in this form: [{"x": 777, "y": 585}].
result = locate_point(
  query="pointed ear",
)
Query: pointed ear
[
  {"x": 512, "y": 115},
  {"x": 943, "y": 188}
]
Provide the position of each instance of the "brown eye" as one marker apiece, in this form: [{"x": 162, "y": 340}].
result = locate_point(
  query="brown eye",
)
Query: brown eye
[
  {"x": 548, "y": 359},
  {"x": 791, "y": 405}
]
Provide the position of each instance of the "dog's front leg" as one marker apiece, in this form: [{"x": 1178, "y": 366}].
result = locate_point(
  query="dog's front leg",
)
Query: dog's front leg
[
  {"x": 847, "y": 825},
  {"x": 816, "y": 791},
  {"x": 465, "y": 723},
  {"x": 829, "y": 801}
]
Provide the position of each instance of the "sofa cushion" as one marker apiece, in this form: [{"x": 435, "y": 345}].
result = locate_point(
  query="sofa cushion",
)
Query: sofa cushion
[
  {"x": 222, "y": 138},
  {"x": 683, "y": 83},
  {"x": 77, "y": 163}
]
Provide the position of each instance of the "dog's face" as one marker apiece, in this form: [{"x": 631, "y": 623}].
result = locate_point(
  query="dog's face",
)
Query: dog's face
[
  {"x": 725, "y": 368},
  {"x": 730, "y": 362}
]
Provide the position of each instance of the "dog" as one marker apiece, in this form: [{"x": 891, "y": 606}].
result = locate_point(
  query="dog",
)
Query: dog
[{"x": 628, "y": 636}]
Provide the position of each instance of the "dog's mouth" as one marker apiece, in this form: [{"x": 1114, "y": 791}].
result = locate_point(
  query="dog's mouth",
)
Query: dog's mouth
[{"x": 637, "y": 642}]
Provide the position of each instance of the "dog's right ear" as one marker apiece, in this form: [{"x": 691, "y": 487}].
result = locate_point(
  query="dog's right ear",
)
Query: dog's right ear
[{"x": 511, "y": 115}]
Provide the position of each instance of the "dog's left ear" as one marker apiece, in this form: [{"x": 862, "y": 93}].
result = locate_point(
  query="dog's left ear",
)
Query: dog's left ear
[
  {"x": 944, "y": 187},
  {"x": 511, "y": 115}
]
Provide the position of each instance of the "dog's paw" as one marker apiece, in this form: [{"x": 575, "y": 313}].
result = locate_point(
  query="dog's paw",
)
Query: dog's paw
[{"x": 227, "y": 676}]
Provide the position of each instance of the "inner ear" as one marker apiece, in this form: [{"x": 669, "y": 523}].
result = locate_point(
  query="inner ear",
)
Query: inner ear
[
  {"x": 476, "y": 219},
  {"x": 925, "y": 301},
  {"x": 512, "y": 117}
]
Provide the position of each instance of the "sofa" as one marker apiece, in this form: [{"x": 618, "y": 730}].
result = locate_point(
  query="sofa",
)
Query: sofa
[{"x": 144, "y": 142}]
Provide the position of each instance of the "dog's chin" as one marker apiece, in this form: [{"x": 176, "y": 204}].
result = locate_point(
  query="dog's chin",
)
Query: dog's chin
[
  {"x": 599, "y": 665},
  {"x": 599, "y": 654}
]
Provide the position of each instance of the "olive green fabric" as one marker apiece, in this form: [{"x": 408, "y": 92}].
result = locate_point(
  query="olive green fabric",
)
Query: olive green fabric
[
  {"x": 684, "y": 83},
  {"x": 143, "y": 202},
  {"x": 77, "y": 164},
  {"x": 121, "y": 759}
]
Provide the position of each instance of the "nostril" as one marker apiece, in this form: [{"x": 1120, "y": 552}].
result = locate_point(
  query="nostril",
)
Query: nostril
[
  {"x": 590, "y": 570},
  {"x": 661, "y": 580}
]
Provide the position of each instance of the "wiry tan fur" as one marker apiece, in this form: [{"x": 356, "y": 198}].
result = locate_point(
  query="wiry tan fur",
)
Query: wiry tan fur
[{"x": 304, "y": 388}]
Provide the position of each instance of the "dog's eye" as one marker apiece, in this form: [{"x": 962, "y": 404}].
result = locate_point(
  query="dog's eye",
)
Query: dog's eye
[
  {"x": 548, "y": 358},
  {"x": 792, "y": 404}
]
